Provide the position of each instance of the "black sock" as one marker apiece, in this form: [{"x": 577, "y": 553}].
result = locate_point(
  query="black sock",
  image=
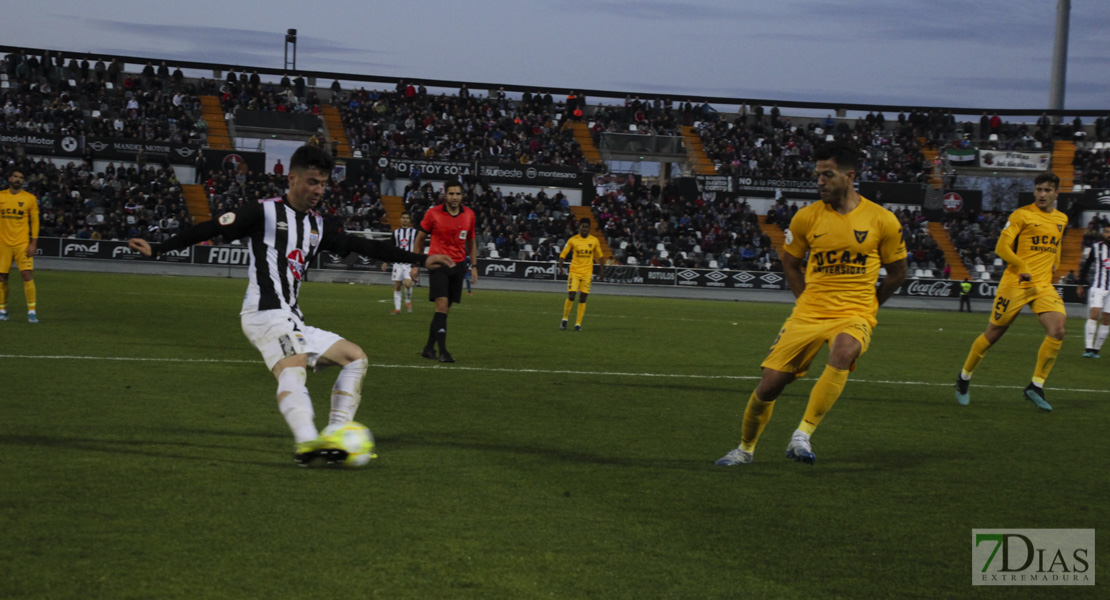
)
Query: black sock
[
  {"x": 439, "y": 331},
  {"x": 430, "y": 345}
]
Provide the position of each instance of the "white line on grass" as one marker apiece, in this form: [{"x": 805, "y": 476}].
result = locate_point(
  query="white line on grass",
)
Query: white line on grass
[{"x": 537, "y": 371}]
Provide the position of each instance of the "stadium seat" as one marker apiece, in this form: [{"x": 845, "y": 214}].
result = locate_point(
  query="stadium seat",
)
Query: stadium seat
[
  {"x": 664, "y": 254},
  {"x": 632, "y": 260},
  {"x": 980, "y": 268},
  {"x": 713, "y": 264},
  {"x": 624, "y": 244},
  {"x": 882, "y": 271},
  {"x": 927, "y": 273},
  {"x": 494, "y": 254},
  {"x": 918, "y": 274},
  {"x": 830, "y": 138},
  {"x": 993, "y": 137},
  {"x": 985, "y": 276}
]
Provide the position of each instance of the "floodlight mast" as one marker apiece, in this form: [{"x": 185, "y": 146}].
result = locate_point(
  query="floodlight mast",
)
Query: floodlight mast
[
  {"x": 290, "y": 43},
  {"x": 1060, "y": 56}
]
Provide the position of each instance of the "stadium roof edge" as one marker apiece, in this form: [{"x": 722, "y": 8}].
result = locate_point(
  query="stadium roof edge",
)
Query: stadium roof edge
[{"x": 441, "y": 83}]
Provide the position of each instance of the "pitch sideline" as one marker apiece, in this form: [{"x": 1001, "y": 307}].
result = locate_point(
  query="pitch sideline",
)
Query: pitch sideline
[{"x": 503, "y": 370}]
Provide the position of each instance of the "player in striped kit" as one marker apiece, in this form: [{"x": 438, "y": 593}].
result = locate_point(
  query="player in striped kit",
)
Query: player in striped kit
[
  {"x": 1094, "y": 282},
  {"x": 403, "y": 273},
  {"x": 283, "y": 236}
]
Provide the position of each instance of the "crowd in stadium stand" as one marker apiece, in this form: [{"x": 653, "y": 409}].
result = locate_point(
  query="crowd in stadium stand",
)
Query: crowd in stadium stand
[
  {"x": 1092, "y": 166},
  {"x": 120, "y": 202},
  {"x": 249, "y": 92},
  {"x": 356, "y": 203},
  {"x": 411, "y": 123},
  {"x": 658, "y": 117},
  {"x": 659, "y": 227},
  {"x": 975, "y": 236},
  {"x": 49, "y": 95},
  {"x": 772, "y": 147},
  {"x": 519, "y": 226}
]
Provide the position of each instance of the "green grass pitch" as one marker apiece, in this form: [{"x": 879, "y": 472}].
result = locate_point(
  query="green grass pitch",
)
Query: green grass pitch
[{"x": 142, "y": 454}]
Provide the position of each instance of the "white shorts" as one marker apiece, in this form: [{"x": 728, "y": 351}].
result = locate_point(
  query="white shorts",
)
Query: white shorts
[
  {"x": 280, "y": 334},
  {"x": 1098, "y": 298},
  {"x": 401, "y": 271}
]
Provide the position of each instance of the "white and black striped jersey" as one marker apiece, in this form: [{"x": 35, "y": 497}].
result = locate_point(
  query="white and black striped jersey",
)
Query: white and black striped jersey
[
  {"x": 404, "y": 238},
  {"x": 282, "y": 243},
  {"x": 1096, "y": 269}
]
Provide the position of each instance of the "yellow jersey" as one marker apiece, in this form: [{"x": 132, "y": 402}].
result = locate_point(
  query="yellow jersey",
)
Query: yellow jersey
[
  {"x": 1030, "y": 243},
  {"x": 19, "y": 218},
  {"x": 583, "y": 250},
  {"x": 845, "y": 254}
]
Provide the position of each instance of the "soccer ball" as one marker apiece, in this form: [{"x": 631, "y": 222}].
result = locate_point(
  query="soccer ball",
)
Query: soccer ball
[{"x": 356, "y": 439}]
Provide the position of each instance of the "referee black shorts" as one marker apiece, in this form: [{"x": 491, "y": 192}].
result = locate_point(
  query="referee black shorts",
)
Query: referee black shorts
[{"x": 447, "y": 283}]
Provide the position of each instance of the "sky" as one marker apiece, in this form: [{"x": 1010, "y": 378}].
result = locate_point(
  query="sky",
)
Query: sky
[{"x": 955, "y": 53}]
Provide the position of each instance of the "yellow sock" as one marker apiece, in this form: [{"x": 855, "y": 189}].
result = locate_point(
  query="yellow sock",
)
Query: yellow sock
[
  {"x": 1046, "y": 358},
  {"x": 822, "y": 397},
  {"x": 978, "y": 350},
  {"x": 581, "y": 313},
  {"x": 756, "y": 416},
  {"x": 566, "y": 309},
  {"x": 29, "y": 291},
  {"x": 4, "y": 296}
]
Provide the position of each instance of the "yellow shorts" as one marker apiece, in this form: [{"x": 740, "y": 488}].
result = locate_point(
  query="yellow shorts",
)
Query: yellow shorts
[
  {"x": 1009, "y": 300},
  {"x": 579, "y": 283},
  {"x": 17, "y": 254},
  {"x": 800, "y": 340}
]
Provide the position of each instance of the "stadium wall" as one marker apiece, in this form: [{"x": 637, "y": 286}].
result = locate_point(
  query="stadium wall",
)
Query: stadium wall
[{"x": 109, "y": 256}]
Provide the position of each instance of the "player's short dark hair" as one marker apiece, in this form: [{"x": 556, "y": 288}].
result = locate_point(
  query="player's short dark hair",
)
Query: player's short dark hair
[
  {"x": 585, "y": 221},
  {"x": 311, "y": 157},
  {"x": 405, "y": 213},
  {"x": 1047, "y": 177},
  {"x": 450, "y": 183},
  {"x": 846, "y": 155}
]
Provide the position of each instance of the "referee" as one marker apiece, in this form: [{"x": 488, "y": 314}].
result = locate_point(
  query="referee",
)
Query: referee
[{"x": 449, "y": 229}]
